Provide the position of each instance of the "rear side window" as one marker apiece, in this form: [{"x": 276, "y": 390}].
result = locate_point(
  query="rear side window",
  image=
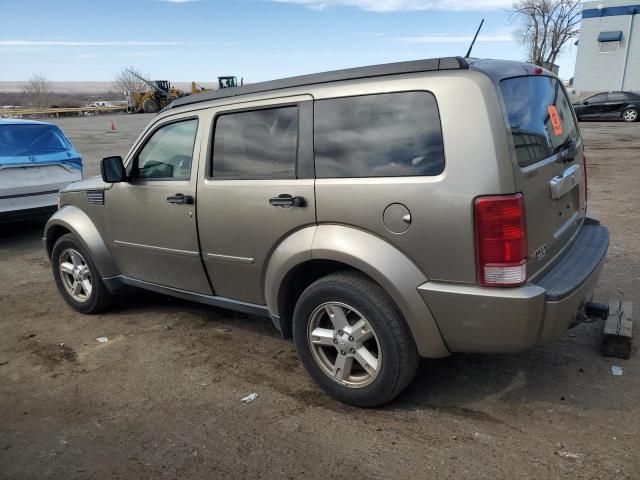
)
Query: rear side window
[
  {"x": 539, "y": 117},
  {"x": 619, "y": 97},
  {"x": 258, "y": 144},
  {"x": 386, "y": 135}
]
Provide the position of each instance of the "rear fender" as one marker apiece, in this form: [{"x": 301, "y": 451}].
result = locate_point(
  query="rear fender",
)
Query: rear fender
[
  {"x": 371, "y": 255},
  {"x": 74, "y": 220}
]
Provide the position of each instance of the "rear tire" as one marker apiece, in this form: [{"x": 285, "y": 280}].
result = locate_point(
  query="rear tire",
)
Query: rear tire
[
  {"x": 353, "y": 341},
  {"x": 77, "y": 277},
  {"x": 630, "y": 115},
  {"x": 150, "y": 106}
]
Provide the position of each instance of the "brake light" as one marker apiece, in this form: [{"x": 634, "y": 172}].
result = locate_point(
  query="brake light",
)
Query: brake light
[{"x": 501, "y": 240}]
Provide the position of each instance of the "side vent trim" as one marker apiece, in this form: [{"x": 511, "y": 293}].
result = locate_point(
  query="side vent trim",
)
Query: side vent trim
[{"x": 95, "y": 197}]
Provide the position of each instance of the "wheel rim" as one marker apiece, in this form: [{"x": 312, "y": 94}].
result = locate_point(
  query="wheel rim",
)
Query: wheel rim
[
  {"x": 630, "y": 115},
  {"x": 75, "y": 275},
  {"x": 344, "y": 345}
]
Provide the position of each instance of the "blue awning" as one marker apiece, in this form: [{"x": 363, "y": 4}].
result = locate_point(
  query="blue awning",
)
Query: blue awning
[{"x": 610, "y": 36}]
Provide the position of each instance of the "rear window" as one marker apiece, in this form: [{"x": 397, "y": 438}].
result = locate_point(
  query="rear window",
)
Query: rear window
[
  {"x": 385, "y": 135},
  {"x": 539, "y": 117},
  {"x": 20, "y": 140},
  {"x": 256, "y": 144}
]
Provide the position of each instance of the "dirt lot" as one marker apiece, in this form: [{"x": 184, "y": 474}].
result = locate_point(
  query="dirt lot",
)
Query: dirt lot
[{"x": 161, "y": 399}]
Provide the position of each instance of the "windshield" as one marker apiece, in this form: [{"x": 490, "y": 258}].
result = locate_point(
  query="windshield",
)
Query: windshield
[
  {"x": 539, "y": 117},
  {"x": 20, "y": 140}
]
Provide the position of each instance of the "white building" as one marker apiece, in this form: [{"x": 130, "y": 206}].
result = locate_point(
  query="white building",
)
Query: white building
[{"x": 609, "y": 47}]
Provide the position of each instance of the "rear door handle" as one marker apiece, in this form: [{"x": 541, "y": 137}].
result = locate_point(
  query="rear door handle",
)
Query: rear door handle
[
  {"x": 287, "y": 201},
  {"x": 180, "y": 199},
  {"x": 566, "y": 181}
]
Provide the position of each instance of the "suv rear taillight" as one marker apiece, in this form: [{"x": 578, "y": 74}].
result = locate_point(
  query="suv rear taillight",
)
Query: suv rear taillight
[{"x": 501, "y": 240}]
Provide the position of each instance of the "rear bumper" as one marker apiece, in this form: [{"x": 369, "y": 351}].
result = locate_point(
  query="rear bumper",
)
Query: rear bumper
[
  {"x": 479, "y": 319},
  {"x": 15, "y": 203},
  {"x": 33, "y": 186},
  {"x": 28, "y": 214}
]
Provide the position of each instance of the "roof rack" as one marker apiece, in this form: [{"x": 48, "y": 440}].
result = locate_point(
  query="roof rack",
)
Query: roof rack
[{"x": 447, "y": 63}]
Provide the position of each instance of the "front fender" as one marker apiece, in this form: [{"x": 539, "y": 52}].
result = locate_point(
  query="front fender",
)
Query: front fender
[
  {"x": 373, "y": 256},
  {"x": 76, "y": 221}
]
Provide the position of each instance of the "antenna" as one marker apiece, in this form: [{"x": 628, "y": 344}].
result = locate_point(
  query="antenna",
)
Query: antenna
[{"x": 474, "y": 39}]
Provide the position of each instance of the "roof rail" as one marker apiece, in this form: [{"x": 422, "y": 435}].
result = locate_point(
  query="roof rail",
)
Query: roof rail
[{"x": 447, "y": 63}]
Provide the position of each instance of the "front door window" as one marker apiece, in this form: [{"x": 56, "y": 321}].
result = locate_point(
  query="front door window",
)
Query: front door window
[{"x": 168, "y": 154}]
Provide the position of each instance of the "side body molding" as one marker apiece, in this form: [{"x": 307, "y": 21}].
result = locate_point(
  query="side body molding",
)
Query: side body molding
[
  {"x": 385, "y": 264},
  {"x": 77, "y": 222}
]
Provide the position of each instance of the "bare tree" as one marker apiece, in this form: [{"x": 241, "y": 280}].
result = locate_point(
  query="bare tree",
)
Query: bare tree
[
  {"x": 546, "y": 26},
  {"x": 128, "y": 83},
  {"x": 39, "y": 90}
]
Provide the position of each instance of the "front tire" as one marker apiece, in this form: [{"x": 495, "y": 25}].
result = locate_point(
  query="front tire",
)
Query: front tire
[
  {"x": 77, "y": 277},
  {"x": 353, "y": 341},
  {"x": 630, "y": 115},
  {"x": 150, "y": 106}
]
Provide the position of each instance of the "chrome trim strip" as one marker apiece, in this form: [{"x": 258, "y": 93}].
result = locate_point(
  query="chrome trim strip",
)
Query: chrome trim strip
[
  {"x": 567, "y": 224},
  {"x": 230, "y": 258},
  {"x": 170, "y": 251}
]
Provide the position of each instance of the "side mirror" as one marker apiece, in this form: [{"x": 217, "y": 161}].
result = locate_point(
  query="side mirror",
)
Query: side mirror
[
  {"x": 113, "y": 170},
  {"x": 585, "y": 103}
]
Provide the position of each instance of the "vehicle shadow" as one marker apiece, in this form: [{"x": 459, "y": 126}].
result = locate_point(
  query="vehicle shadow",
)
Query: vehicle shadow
[
  {"x": 25, "y": 234},
  {"x": 561, "y": 373},
  {"x": 568, "y": 372},
  {"x": 136, "y": 301}
]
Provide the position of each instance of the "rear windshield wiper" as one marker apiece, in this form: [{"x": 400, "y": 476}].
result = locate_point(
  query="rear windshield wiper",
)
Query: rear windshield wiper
[{"x": 567, "y": 150}]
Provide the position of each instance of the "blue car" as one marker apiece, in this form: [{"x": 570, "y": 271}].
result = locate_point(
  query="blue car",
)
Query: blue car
[{"x": 36, "y": 162}]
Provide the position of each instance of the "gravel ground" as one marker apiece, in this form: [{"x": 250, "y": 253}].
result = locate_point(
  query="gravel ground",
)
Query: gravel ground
[{"x": 161, "y": 399}]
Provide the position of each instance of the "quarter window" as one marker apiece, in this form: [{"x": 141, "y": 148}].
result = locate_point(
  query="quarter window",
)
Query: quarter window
[
  {"x": 168, "y": 154},
  {"x": 385, "y": 135},
  {"x": 258, "y": 144}
]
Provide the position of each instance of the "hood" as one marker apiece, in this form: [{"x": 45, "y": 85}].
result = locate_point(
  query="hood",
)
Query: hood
[{"x": 93, "y": 183}]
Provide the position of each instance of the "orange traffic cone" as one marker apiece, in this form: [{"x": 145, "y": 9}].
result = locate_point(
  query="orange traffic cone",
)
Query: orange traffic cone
[{"x": 113, "y": 126}]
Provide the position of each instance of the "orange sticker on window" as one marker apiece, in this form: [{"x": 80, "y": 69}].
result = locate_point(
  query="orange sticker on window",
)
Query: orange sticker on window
[{"x": 555, "y": 120}]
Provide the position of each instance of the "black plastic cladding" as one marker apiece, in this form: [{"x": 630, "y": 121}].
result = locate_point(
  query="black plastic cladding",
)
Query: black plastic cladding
[{"x": 429, "y": 65}]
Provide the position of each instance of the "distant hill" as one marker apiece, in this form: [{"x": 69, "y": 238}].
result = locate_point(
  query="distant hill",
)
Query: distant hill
[{"x": 87, "y": 88}]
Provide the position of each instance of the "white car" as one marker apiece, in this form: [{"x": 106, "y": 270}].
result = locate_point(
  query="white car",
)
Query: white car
[{"x": 36, "y": 162}]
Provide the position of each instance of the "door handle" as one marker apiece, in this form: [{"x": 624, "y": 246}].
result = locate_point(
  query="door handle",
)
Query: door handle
[
  {"x": 287, "y": 201},
  {"x": 180, "y": 199}
]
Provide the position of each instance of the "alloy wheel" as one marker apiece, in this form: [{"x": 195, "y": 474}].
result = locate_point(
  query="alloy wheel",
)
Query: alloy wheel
[
  {"x": 630, "y": 115},
  {"x": 344, "y": 344},
  {"x": 75, "y": 275}
]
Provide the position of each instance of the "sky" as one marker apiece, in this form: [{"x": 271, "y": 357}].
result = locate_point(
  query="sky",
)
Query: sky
[{"x": 199, "y": 40}]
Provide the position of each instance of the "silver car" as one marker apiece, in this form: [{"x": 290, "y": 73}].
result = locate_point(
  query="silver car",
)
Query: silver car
[{"x": 377, "y": 215}]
